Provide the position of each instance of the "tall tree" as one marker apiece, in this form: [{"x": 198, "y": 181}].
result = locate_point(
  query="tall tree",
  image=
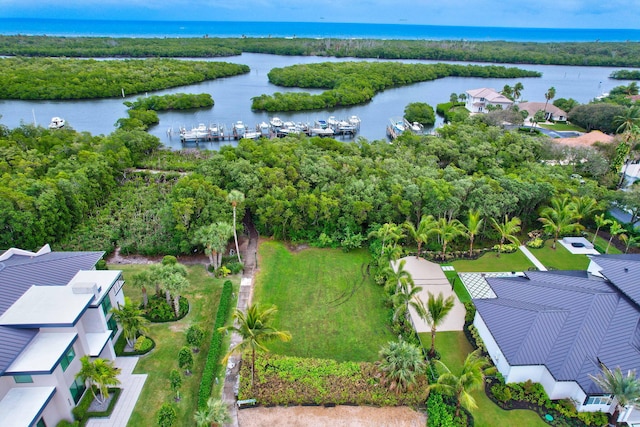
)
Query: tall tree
[
  {"x": 624, "y": 388},
  {"x": 397, "y": 277},
  {"x": 628, "y": 123},
  {"x": 507, "y": 230},
  {"x": 214, "y": 238},
  {"x": 236, "y": 198},
  {"x": 175, "y": 380},
  {"x": 473, "y": 226},
  {"x": 460, "y": 386},
  {"x": 507, "y": 91},
  {"x": 215, "y": 414},
  {"x": 434, "y": 313},
  {"x": 517, "y": 90},
  {"x": 255, "y": 330},
  {"x": 600, "y": 222},
  {"x": 559, "y": 218},
  {"x": 399, "y": 364},
  {"x": 584, "y": 207},
  {"x": 614, "y": 229},
  {"x": 132, "y": 320},
  {"x": 421, "y": 234},
  {"x": 448, "y": 230},
  {"x": 185, "y": 359},
  {"x": 388, "y": 231},
  {"x": 407, "y": 292},
  {"x": 175, "y": 285},
  {"x": 142, "y": 280},
  {"x": 99, "y": 373},
  {"x": 548, "y": 96}
]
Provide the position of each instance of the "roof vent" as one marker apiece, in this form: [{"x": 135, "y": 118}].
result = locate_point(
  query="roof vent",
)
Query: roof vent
[{"x": 626, "y": 269}]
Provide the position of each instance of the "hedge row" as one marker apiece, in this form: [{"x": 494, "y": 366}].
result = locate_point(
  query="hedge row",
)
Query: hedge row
[{"x": 212, "y": 364}]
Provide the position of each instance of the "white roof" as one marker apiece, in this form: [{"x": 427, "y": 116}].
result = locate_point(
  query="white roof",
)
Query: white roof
[
  {"x": 42, "y": 354},
  {"x": 46, "y": 306},
  {"x": 490, "y": 95},
  {"x": 97, "y": 341},
  {"x": 21, "y": 405},
  {"x": 103, "y": 279}
]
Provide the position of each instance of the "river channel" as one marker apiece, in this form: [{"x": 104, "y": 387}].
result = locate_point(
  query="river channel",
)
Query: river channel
[{"x": 233, "y": 95}]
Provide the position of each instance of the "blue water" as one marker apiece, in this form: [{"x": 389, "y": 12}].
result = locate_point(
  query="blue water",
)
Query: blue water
[{"x": 12, "y": 26}]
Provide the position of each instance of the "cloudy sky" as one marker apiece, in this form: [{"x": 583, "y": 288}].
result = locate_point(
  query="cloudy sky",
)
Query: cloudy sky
[{"x": 502, "y": 13}]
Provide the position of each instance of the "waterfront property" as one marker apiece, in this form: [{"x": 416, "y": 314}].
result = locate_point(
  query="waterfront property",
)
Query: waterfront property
[
  {"x": 551, "y": 112},
  {"x": 479, "y": 100},
  {"x": 54, "y": 309},
  {"x": 558, "y": 327}
]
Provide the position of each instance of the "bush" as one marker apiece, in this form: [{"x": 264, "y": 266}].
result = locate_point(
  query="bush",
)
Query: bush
[
  {"x": 81, "y": 411},
  {"x": 65, "y": 423},
  {"x": 501, "y": 392},
  {"x": 143, "y": 345},
  {"x": 121, "y": 343},
  {"x": 507, "y": 248},
  {"x": 235, "y": 267},
  {"x": 159, "y": 311},
  {"x": 535, "y": 243},
  {"x": 212, "y": 365},
  {"x": 439, "y": 414}
]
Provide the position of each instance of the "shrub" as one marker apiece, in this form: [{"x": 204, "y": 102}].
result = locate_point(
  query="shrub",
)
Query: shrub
[
  {"x": 81, "y": 411},
  {"x": 143, "y": 344},
  {"x": 223, "y": 271},
  {"x": 507, "y": 248},
  {"x": 501, "y": 392},
  {"x": 439, "y": 414},
  {"x": 148, "y": 345},
  {"x": 195, "y": 335},
  {"x": 235, "y": 267},
  {"x": 535, "y": 243},
  {"x": 65, "y": 423},
  {"x": 159, "y": 311}
]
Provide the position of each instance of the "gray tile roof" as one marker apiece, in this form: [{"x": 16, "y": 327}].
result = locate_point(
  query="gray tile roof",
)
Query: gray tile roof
[
  {"x": 566, "y": 322},
  {"x": 624, "y": 273},
  {"x": 18, "y": 273}
]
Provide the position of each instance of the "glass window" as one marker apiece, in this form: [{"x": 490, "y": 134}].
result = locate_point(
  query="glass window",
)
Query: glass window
[
  {"x": 67, "y": 358},
  {"x": 106, "y": 305},
  {"x": 22, "y": 379},
  {"x": 113, "y": 325},
  {"x": 77, "y": 388},
  {"x": 41, "y": 423},
  {"x": 598, "y": 400}
]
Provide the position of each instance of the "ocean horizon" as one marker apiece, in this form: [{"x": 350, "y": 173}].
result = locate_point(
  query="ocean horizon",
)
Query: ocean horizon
[{"x": 191, "y": 29}]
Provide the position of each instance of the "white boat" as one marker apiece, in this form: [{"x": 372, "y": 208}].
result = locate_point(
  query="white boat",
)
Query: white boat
[
  {"x": 201, "y": 131},
  {"x": 396, "y": 128},
  {"x": 276, "y": 122},
  {"x": 332, "y": 122},
  {"x": 264, "y": 128},
  {"x": 319, "y": 131},
  {"x": 346, "y": 127},
  {"x": 355, "y": 121},
  {"x": 56, "y": 123},
  {"x": 239, "y": 129},
  {"x": 251, "y": 134},
  {"x": 415, "y": 127},
  {"x": 216, "y": 130}
]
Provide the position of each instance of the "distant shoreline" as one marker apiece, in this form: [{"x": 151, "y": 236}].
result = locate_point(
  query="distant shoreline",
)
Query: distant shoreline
[{"x": 317, "y": 30}]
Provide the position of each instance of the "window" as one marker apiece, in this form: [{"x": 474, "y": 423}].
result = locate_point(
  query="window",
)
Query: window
[
  {"x": 22, "y": 379},
  {"x": 77, "y": 388},
  {"x": 106, "y": 305},
  {"x": 598, "y": 400},
  {"x": 41, "y": 423},
  {"x": 113, "y": 325},
  {"x": 67, "y": 358}
]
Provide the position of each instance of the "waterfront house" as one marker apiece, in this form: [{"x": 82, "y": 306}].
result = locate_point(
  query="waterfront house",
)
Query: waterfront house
[
  {"x": 551, "y": 112},
  {"x": 54, "y": 309},
  {"x": 557, "y": 328},
  {"x": 481, "y": 100}
]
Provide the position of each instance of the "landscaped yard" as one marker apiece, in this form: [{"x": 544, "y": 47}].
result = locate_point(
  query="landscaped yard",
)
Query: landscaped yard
[
  {"x": 326, "y": 300},
  {"x": 490, "y": 261},
  {"x": 562, "y": 127},
  {"x": 203, "y": 296},
  {"x": 453, "y": 348},
  {"x": 559, "y": 258}
]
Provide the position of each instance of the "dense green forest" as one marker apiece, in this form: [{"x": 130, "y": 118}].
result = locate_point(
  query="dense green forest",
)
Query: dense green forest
[
  {"x": 351, "y": 83},
  {"x": 622, "y": 54},
  {"x": 56, "y": 78},
  {"x": 625, "y": 75},
  {"x": 79, "y": 192}
]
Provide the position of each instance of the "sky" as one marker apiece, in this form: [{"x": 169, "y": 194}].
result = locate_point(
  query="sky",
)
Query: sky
[{"x": 490, "y": 13}]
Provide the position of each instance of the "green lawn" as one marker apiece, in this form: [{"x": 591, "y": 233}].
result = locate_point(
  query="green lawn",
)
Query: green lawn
[
  {"x": 490, "y": 261},
  {"x": 325, "y": 300},
  {"x": 458, "y": 287},
  {"x": 454, "y": 347},
  {"x": 559, "y": 258},
  {"x": 203, "y": 296},
  {"x": 601, "y": 244},
  {"x": 562, "y": 127}
]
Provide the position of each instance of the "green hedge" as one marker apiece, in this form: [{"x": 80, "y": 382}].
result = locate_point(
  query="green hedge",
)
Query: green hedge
[
  {"x": 212, "y": 364},
  {"x": 81, "y": 412},
  {"x": 121, "y": 343}
]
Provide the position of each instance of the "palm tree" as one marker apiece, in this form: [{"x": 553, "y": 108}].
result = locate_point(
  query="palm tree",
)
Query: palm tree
[
  {"x": 548, "y": 96},
  {"x": 624, "y": 388},
  {"x": 255, "y": 330},
  {"x": 517, "y": 90},
  {"x": 448, "y": 230},
  {"x": 400, "y": 363},
  {"x": 460, "y": 386},
  {"x": 436, "y": 310},
  {"x": 600, "y": 222},
  {"x": 559, "y": 218},
  {"x": 175, "y": 285},
  {"x": 507, "y": 91},
  {"x": 132, "y": 321},
  {"x": 214, "y": 238},
  {"x": 628, "y": 124},
  {"x": 422, "y": 232},
  {"x": 101, "y": 373},
  {"x": 629, "y": 241},
  {"x": 235, "y": 197},
  {"x": 397, "y": 277},
  {"x": 407, "y": 292},
  {"x": 142, "y": 280},
  {"x": 474, "y": 223},
  {"x": 583, "y": 207},
  {"x": 215, "y": 414},
  {"x": 614, "y": 229},
  {"x": 388, "y": 231},
  {"x": 507, "y": 230}
]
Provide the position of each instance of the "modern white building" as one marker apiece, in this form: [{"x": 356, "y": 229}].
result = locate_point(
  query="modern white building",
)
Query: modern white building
[
  {"x": 54, "y": 309},
  {"x": 478, "y": 100},
  {"x": 557, "y": 328}
]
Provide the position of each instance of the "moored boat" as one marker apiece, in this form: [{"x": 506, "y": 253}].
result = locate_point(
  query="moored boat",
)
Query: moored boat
[
  {"x": 276, "y": 122},
  {"x": 56, "y": 123},
  {"x": 239, "y": 129}
]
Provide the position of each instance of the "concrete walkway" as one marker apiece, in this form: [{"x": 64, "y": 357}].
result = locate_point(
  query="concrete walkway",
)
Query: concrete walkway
[
  {"x": 431, "y": 278},
  {"x": 533, "y": 259},
  {"x": 131, "y": 385}
]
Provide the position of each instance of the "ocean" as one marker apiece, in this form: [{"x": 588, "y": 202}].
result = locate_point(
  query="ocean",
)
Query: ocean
[{"x": 97, "y": 28}]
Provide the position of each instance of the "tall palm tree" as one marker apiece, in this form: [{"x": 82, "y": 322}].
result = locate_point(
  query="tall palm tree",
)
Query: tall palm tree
[
  {"x": 517, "y": 90},
  {"x": 559, "y": 218},
  {"x": 407, "y": 292},
  {"x": 473, "y": 226},
  {"x": 628, "y": 124},
  {"x": 100, "y": 373},
  {"x": 142, "y": 280},
  {"x": 132, "y": 321},
  {"x": 421, "y": 233},
  {"x": 507, "y": 91},
  {"x": 397, "y": 277},
  {"x": 254, "y": 327},
  {"x": 507, "y": 230},
  {"x": 175, "y": 285},
  {"x": 215, "y": 414},
  {"x": 214, "y": 238},
  {"x": 399, "y": 364},
  {"x": 460, "y": 386},
  {"x": 548, "y": 96},
  {"x": 235, "y": 197},
  {"x": 614, "y": 229},
  {"x": 624, "y": 388},
  {"x": 434, "y": 313},
  {"x": 388, "y": 231},
  {"x": 629, "y": 241},
  {"x": 600, "y": 222},
  {"x": 448, "y": 230},
  {"x": 584, "y": 207}
]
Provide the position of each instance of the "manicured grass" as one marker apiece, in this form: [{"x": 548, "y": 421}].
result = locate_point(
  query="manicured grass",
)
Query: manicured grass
[
  {"x": 559, "y": 258},
  {"x": 562, "y": 127},
  {"x": 601, "y": 244},
  {"x": 325, "y": 299},
  {"x": 203, "y": 296},
  {"x": 453, "y": 348},
  {"x": 458, "y": 286},
  {"x": 490, "y": 261}
]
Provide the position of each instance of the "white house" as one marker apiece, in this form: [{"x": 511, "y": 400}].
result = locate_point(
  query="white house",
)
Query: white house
[
  {"x": 551, "y": 111},
  {"x": 557, "y": 327},
  {"x": 479, "y": 99},
  {"x": 54, "y": 309}
]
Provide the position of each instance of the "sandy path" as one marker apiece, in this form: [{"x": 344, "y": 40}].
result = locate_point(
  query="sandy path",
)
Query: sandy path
[{"x": 340, "y": 416}]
